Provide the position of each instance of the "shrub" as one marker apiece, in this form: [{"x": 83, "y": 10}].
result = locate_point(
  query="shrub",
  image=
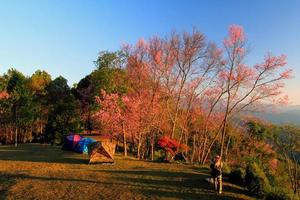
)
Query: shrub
[
  {"x": 256, "y": 181},
  {"x": 279, "y": 194},
  {"x": 226, "y": 169},
  {"x": 160, "y": 156},
  {"x": 237, "y": 176},
  {"x": 171, "y": 145}
]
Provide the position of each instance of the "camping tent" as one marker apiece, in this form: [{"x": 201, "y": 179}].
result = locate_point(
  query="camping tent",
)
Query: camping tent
[
  {"x": 102, "y": 152},
  {"x": 71, "y": 141},
  {"x": 82, "y": 145}
]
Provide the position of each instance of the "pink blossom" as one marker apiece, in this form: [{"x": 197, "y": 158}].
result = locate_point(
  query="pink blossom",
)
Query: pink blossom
[
  {"x": 236, "y": 34},
  {"x": 273, "y": 164},
  {"x": 4, "y": 95},
  {"x": 272, "y": 63},
  {"x": 239, "y": 51},
  {"x": 283, "y": 100},
  {"x": 287, "y": 74}
]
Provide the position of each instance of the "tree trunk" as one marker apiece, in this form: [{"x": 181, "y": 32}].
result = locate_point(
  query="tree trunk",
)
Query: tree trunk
[
  {"x": 41, "y": 127},
  {"x": 199, "y": 155},
  {"x": 223, "y": 132},
  {"x": 152, "y": 151},
  {"x": 209, "y": 147},
  {"x": 125, "y": 144},
  {"x": 204, "y": 146},
  {"x": 226, "y": 151},
  {"x": 11, "y": 133},
  {"x": 152, "y": 147},
  {"x": 194, "y": 149},
  {"x": 139, "y": 147},
  {"x": 6, "y": 134},
  {"x": 16, "y": 137},
  {"x": 223, "y": 137},
  {"x": 124, "y": 141},
  {"x": 177, "y": 108}
]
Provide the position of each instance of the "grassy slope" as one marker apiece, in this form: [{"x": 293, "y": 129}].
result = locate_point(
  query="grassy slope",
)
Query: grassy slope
[{"x": 34, "y": 171}]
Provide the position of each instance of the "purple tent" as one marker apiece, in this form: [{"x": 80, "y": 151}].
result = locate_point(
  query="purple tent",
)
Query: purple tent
[{"x": 71, "y": 141}]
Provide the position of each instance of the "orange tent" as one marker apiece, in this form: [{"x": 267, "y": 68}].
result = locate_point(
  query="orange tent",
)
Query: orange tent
[{"x": 102, "y": 152}]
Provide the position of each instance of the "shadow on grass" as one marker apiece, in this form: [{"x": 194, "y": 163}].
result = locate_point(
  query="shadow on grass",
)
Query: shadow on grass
[
  {"x": 150, "y": 191},
  {"x": 152, "y": 184},
  {"x": 40, "y": 153},
  {"x": 181, "y": 186},
  {"x": 163, "y": 184},
  {"x": 157, "y": 173},
  {"x": 6, "y": 181}
]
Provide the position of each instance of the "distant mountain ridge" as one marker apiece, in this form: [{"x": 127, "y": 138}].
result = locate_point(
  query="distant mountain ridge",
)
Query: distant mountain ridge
[{"x": 282, "y": 114}]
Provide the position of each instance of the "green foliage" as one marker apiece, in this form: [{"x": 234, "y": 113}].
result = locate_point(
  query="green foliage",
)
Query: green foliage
[
  {"x": 111, "y": 60},
  {"x": 112, "y": 80},
  {"x": 38, "y": 105},
  {"x": 280, "y": 194},
  {"x": 288, "y": 138},
  {"x": 110, "y": 75},
  {"x": 3, "y": 82},
  {"x": 256, "y": 180},
  {"x": 160, "y": 155},
  {"x": 16, "y": 80},
  {"x": 226, "y": 169},
  {"x": 258, "y": 130},
  {"x": 85, "y": 92},
  {"x": 63, "y": 113},
  {"x": 20, "y": 99},
  {"x": 38, "y": 81}
]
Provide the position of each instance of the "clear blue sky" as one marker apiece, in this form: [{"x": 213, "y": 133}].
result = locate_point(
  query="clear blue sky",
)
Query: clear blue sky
[{"x": 64, "y": 37}]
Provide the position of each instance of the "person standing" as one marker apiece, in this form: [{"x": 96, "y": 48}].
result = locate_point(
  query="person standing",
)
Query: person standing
[{"x": 216, "y": 173}]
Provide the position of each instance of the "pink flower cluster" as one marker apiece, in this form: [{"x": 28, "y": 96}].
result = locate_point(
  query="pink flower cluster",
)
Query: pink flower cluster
[
  {"x": 236, "y": 34},
  {"x": 4, "y": 95}
]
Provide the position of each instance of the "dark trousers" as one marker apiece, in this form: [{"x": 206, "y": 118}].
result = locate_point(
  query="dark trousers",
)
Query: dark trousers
[{"x": 218, "y": 183}]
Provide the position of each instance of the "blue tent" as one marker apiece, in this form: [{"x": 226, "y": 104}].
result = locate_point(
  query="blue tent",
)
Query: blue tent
[{"x": 82, "y": 145}]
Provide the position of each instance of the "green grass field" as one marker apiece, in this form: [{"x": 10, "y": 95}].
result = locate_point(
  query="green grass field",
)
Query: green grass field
[{"x": 34, "y": 171}]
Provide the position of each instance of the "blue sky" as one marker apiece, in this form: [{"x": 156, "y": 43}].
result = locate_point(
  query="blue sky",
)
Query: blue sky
[{"x": 64, "y": 37}]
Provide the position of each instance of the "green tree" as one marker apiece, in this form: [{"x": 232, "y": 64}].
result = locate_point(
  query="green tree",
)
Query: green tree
[
  {"x": 21, "y": 106},
  {"x": 288, "y": 143},
  {"x": 63, "y": 113},
  {"x": 37, "y": 84},
  {"x": 109, "y": 75},
  {"x": 85, "y": 93}
]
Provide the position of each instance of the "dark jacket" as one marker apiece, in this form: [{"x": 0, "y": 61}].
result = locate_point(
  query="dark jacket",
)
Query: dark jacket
[{"x": 215, "y": 171}]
